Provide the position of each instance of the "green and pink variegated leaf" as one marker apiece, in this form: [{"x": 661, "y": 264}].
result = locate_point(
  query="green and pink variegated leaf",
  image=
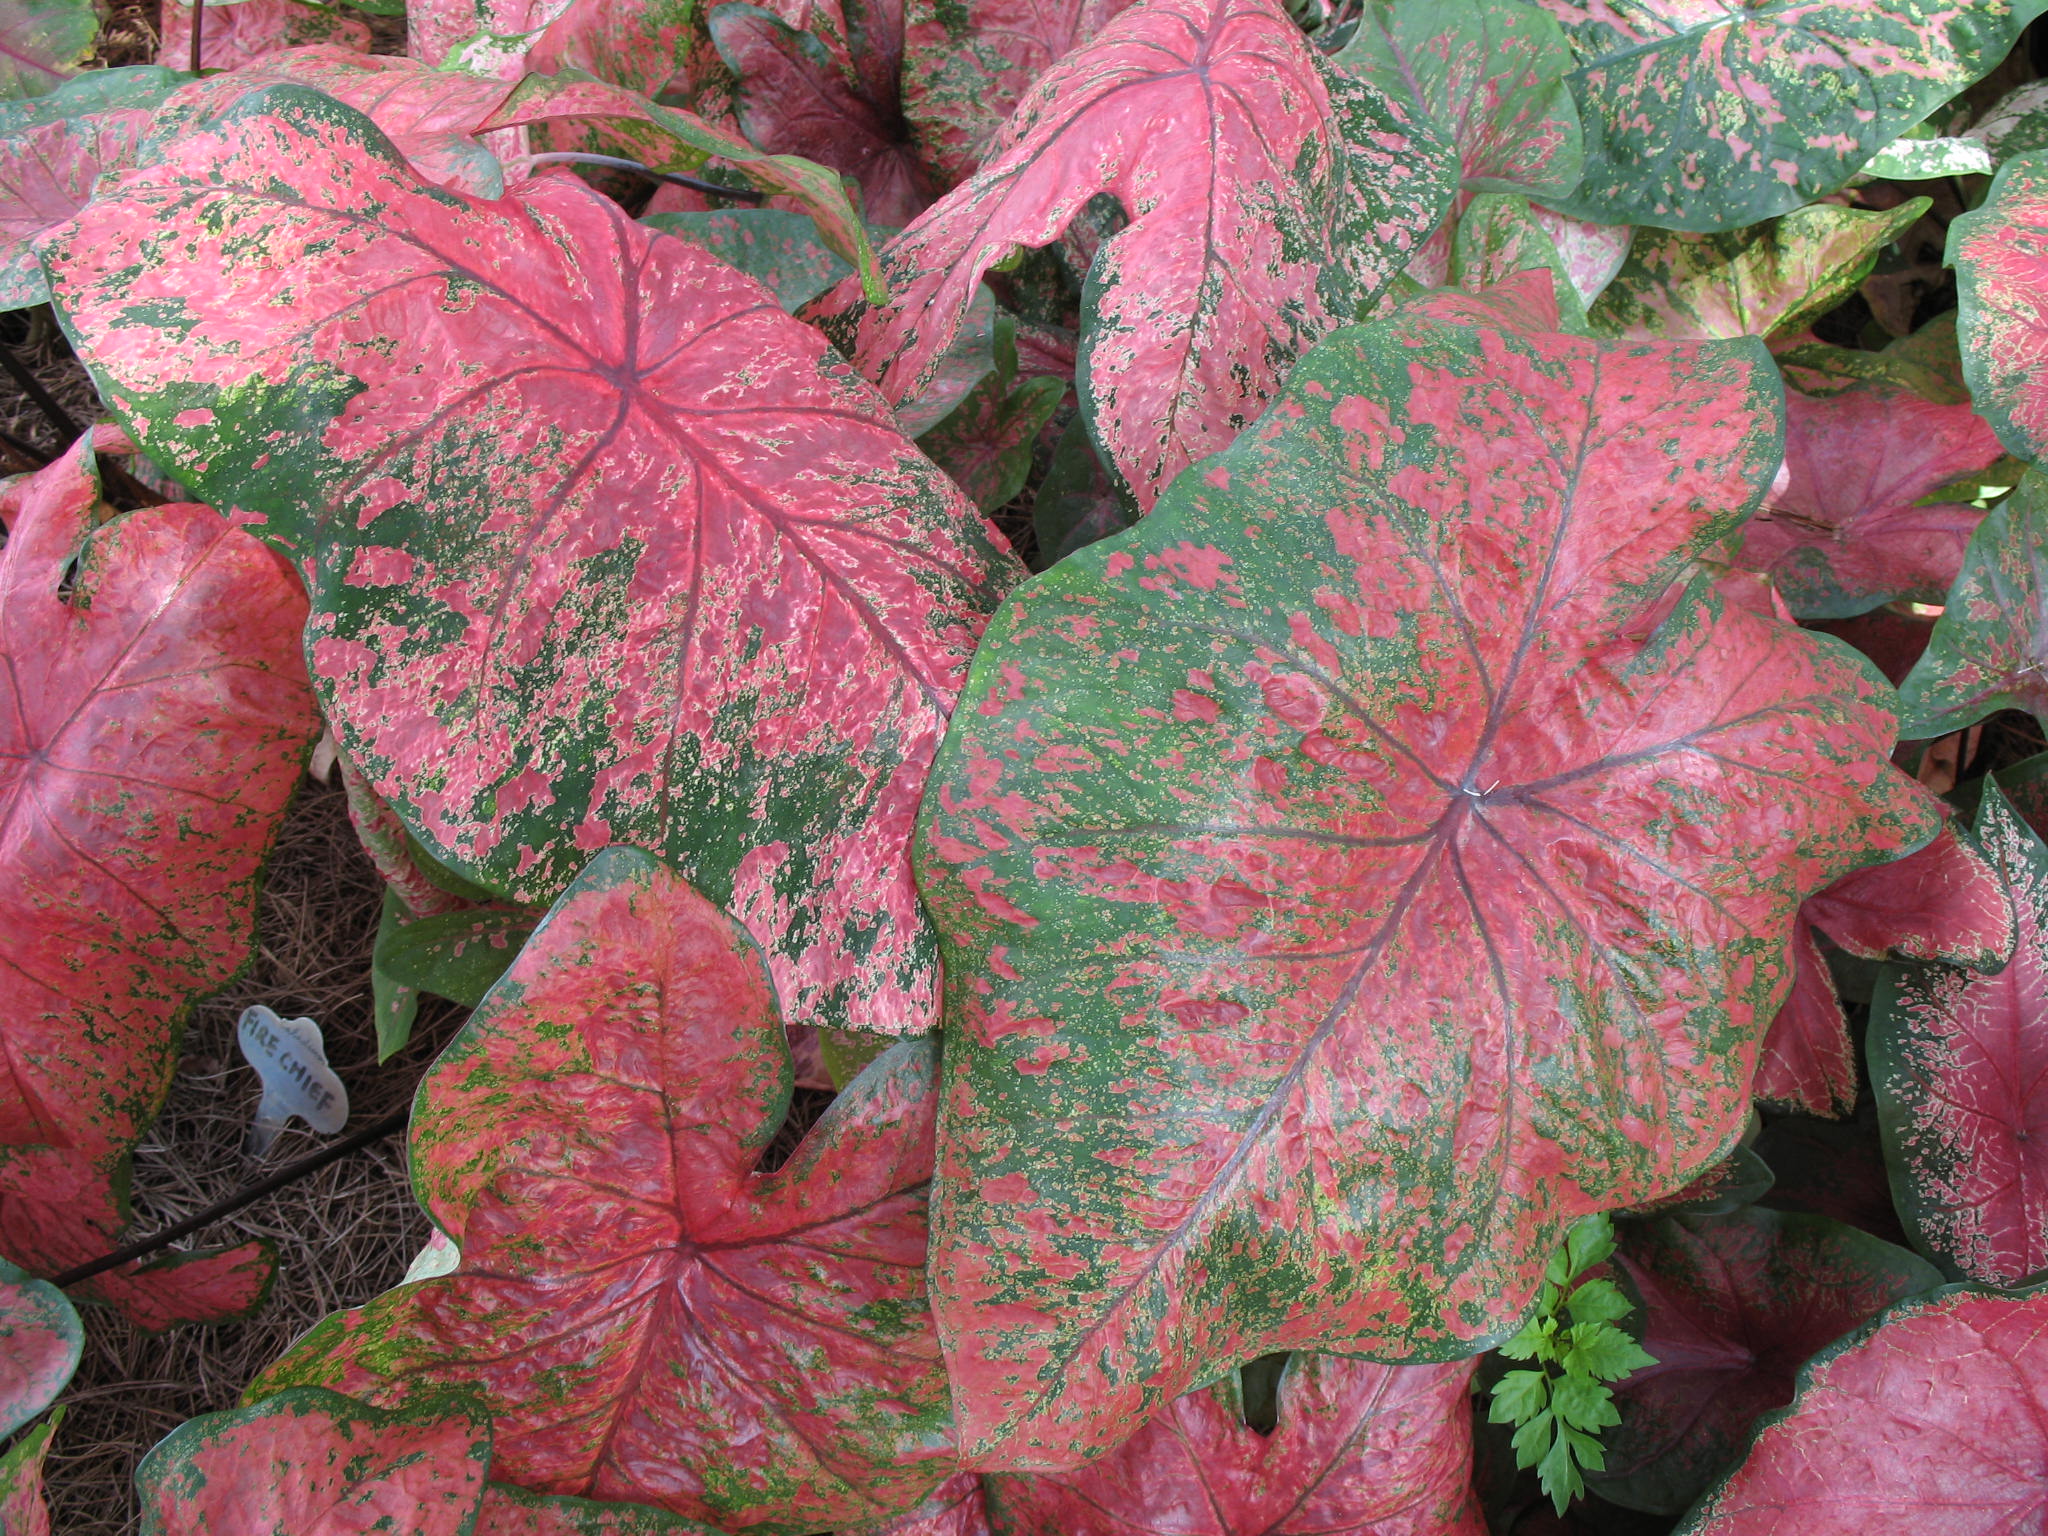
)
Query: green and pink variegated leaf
[
  {"x": 1732, "y": 1307},
  {"x": 776, "y": 248},
  {"x": 1369, "y": 864},
  {"x": 985, "y": 442},
  {"x": 1769, "y": 280},
  {"x": 1959, "y": 1065},
  {"x": 1989, "y": 649},
  {"x": 1488, "y": 76},
  {"x": 1943, "y": 902},
  {"x": 312, "y": 1463},
  {"x": 40, "y": 1342},
  {"x": 2000, "y": 253},
  {"x": 1708, "y": 115},
  {"x": 1593, "y": 254},
  {"x": 510, "y": 1511},
  {"x": 641, "y": 45},
  {"x": 645, "y": 1316},
  {"x": 1933, "y": 1418},
  {"x": 577, "y": 497},
  {"x": 1271, "y": 200},
  {"x": 248, "y": 30},
  {"x": 42, "y": 43},
  {"x": 968, "y": 63},
  {"x": 1357, "y": 1449},
  {"x": 1498, "y": 236},
  {"x": 1928, "y": 363},
  {"x": 22, "y": 1510},
  {"x": 957, "y": 1507}
]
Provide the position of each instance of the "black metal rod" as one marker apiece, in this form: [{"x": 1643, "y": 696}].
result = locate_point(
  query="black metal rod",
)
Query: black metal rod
[
  {"x": 35, "y": 456},
  {"x": 620, "y": 163},
  {"x": 198, "y": 27},
  {"x": 291, "y": 1173},
  {"x": 45, "y": 402}
]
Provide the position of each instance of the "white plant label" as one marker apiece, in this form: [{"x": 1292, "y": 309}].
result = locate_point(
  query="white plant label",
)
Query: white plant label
[{"x": 291, "y": 1059}]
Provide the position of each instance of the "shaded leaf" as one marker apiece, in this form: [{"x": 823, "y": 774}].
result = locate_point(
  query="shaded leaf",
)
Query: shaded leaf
[
  {"x": 1077, "y": 502},
  {"x": 1274, "y": 201},
  {"x": 1488, "y": 77},
  {"x": 705, "y": 630},
  {"x": 249, "y": 30},
  {"x": 1359, "y": 1449},
  {"x": 1741, "y": 1178},
  {"x": 510, "y": 1511},
  {"x": 957, "y": 1508},
  {"x": 456, "y": 955},
  {"x": 1934, "y": 1417},
  {"x": 40, "y": 1341},
  {"x": 1706, "y": 116},
  {"x": 750, "y": 1349},
  {"x": 1765, "y": 280},
  {"x": 22, "y": 1511},
  {"x": 1316, "y": 869},
  {"x": 778, "y": 249},
  {"x": 985, "y": 443},
  {"x": 312, "y": 1463},
  {"x": 1593, "y": 253},
  {"x": 1989, "y": 649},
  {"x": 1732, "y": 1305},
  {"x": 1959, "y": 1065},
  {"x": 42, "y": 43},
  {"x": 2016, "y": 124},
  {"x": 1927, "y": 363}
]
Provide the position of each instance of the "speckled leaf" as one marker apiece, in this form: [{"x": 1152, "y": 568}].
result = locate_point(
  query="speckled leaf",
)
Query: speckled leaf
[
  {"x": 1934, "y": 1418},
  {"x": 1358, "y": 1449},
  {"x": 1497, "y": 237},
  {"x": 640, "y": 44},
  {"x": 985, "y": 443},
  {"x": 1732, "y": 1306},
  {"x": 40, "y": 1341},
  {"x": 956, "y": 1508},
  {"x": 1847, "y": 533},
  {"x": 665, "y": 570},
  {"x": 1767, "y": 280},
  {"x": 312, "y": 1463},
  {"x": 645, "y": 1316},
  {"x": 509, "y": 1511},
  {"x": 1707, "y": 115},
  {"x": 778, "y": 249},
  {"x": 1989, "y": 649},
  {"x": 1943, "y": 902},
  {"x": 22, "y": 1510},
  {"x": 1273, "y": 200},
  {"x": 457, "y": 955},
  {"x": 1927, "y": 363},
  {"x": 2016, "y": 125},
  {"x": 249, "y": 30},
  {"x": 1593, "y": 254},
  {"x": 1488, "y": 76},
  {"x": 968, "y": 63},
  {"x": 1959, "y": 1065},
  {"x": 1915, "y": 159},
  {"x": 2000, "y": 253},
  {"x": 1369, "y": 864},
  {"x": 41, "y": 43}
]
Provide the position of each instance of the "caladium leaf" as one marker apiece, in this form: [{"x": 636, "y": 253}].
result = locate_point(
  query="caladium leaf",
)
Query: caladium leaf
[
  {"x": 1928, "y": 363},
  {"x": 2016, "y": 125},
  {"x": 1732, "y": 1306},
  {"x": 1593, "y": 254},
  {"x": 1272, "y": 201},
  {"x": 1497, "y": 237},
  {"x": 1958, "y": 1062},
  {"x": 457, "y": 955},
  {"x": 956, "y": 1508},
  {"x": 510, "y": 1511},
  {"x": 1767, "y": 280},
  {"x": 1703, "y": 117},
  {"x": 41, "y": 43},
  {"x": 1238, "y": 801},
  {"x": 641, "y": 45},
  {"x": 645, "y": 1316},
  {"x": 1847, "y": 532},
  {"x": 1989, "y": 649},
  {"x": 1488, "y": 76},
  {"x": 312, "y": 1463},
  {"x": 1077, "y": 501},
  {"x": 1892, "y": 1429},
  {"x": 1358, "y": 1449},
  {"x": 967, "y": 64},
  {"x": 40, "y": 1342},
  {"x": 765, "y": 630},
  {"x": 248, "y": 30},
  {"x": 778, "y": 249},
  {"x": 22, "y": 1510},
  {"x": 985, "y": 443},
  {"x": 1996, "y": 250}
]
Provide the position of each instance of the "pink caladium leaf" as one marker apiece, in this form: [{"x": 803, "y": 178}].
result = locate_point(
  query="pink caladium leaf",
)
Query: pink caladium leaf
[
  {"x": 2001, "y": 278},
  {"x": 1272, "y": 200},
  {"x": 312, "y": 1463},
  {"x": 40, "y": 1342},
  {"x": 1848, "y": 532},
  {"x": 53, "y": 148},
  {"x": 613, "y": 521},
  {"x": 248, "y": 30},
  {"x": 1489, "y": 77},
  {"x": 645, "y": 1316},
  {"x": 22, "y": 1510},
  {"x": 1989, "y": 649},
  {"x": 1732, "y": 1306},
  {"x": 1932, "y": 1418},
  {"x": 1593, "y": 253},
  {"x": 642, "y": 45},
  {"x": 1959, "y": 1066},
  {"x": 510, "y": 1511},
  {"x": 41, "y": 43},
  {"x": 1706, "y": 116},
  {"x": 1358, "y": 1449},
  {"x": 957, "y": 1507},
  {"x": 1323, "y": 929}
]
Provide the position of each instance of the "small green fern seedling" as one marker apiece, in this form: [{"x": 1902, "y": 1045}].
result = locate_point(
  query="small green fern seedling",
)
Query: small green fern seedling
[{"x": 1560, "y": 1406}]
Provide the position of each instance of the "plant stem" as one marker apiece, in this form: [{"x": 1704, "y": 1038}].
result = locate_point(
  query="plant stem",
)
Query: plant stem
[
  {"x": 198, "y": 28},
  {"x": 619, "y": 162}
]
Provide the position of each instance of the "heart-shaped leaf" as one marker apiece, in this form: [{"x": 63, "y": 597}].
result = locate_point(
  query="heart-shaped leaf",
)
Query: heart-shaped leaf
[
  {"x": 40, "y": 1342},
  {"x": 312, "y": 1463},
  {"x": 1488, "y": 76},
  {"x": 1989, "y": 649},
  {"x": 1357, "y": 1449},
  {"x": 1928, "y": 363},
  {"x": 1932, "y": 1418},
  {"x": 1330, "y": 917},
  {"x": 1959, "y": 1064},
  {"x": 249, "y": 30},
  {"x": 41, "y": 43},
  {"x": 1732, "y": 1306},
  {"x": 1848, "y": 532},
  {"x": 662, "y": 566},
  {"x": 1768, "y": 280},
  {"x": 1271, "y": 201},
  {"x": 645, "y": 1316},
  {"x": 1706, "y": 116}
]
